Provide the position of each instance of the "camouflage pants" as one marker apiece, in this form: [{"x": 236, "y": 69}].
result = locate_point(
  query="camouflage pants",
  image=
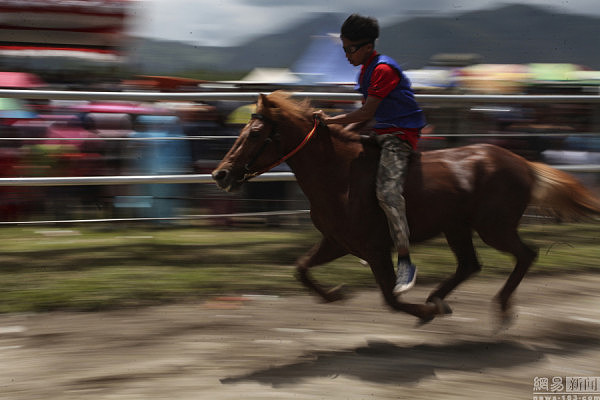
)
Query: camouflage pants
[{"x": 393, "y": 164}]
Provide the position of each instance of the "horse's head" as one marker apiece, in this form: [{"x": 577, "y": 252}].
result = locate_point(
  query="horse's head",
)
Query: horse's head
[{"x": 257, "y": 148}]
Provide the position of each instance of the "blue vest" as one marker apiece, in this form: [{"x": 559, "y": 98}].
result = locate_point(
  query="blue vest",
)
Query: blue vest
[{"x": 398, "y": 109}]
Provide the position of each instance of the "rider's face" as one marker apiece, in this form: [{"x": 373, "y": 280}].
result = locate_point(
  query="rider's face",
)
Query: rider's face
[{"x": 357, "y": 52}]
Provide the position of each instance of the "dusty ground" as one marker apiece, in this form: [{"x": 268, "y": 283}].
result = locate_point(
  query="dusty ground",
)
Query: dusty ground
[{"x": 295, "y": 348}]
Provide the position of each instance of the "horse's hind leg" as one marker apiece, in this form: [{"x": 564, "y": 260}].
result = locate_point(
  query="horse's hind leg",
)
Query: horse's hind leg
[
  {"x": 324, "y": 251},
  {"x": 461, "y": 243},
  {"x": 383, "y": 270},
  {"x": 510, "y": 242}
]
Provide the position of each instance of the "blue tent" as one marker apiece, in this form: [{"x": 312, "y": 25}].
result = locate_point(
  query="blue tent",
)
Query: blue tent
[{"x": 325, "y": 62}]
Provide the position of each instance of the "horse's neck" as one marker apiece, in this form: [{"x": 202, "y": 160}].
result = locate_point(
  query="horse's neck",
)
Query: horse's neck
[{"x": 323, "y": 165}]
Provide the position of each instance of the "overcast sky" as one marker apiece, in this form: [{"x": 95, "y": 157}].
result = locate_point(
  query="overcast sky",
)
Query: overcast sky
[{"x": 229, "y": 22}]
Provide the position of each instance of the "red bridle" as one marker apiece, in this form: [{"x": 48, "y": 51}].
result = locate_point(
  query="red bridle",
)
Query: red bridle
[{"x": 285, "y": 157}]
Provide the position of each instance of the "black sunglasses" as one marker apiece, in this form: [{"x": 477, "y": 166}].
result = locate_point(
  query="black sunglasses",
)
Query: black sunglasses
[{"x": 355, "y": 47}]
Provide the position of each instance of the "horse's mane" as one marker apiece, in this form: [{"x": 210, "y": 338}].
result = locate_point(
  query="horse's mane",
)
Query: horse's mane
[{"x": 301, "y": 110}]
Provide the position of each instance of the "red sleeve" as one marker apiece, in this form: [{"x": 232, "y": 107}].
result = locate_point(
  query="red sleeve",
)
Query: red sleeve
[{"x": 383, "y": 80}]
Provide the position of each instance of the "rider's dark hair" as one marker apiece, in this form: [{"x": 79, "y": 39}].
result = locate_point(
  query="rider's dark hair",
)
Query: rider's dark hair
[{"x": 356, "y": 27}]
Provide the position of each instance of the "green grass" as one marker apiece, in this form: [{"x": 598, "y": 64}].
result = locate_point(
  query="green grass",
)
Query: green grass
[{"x": 85, "y": 269}]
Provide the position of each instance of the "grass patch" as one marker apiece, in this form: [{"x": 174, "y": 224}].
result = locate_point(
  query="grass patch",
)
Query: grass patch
[{"x": 88, "y": 269}]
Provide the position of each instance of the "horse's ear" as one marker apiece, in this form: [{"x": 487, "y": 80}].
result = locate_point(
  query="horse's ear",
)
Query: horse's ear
[
  {"x": 263, "y": 101},
  {"x": 265, "y": 106}
]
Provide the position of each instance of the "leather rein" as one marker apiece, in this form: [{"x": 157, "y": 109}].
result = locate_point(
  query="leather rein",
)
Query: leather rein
[{"x": 274, "y": 136}]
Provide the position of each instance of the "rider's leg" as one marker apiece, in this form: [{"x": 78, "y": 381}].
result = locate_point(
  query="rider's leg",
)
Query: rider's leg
[{"x": 395, "y": 154}]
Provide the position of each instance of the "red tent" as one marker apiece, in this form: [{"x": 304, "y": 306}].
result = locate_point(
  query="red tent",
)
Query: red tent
[{"x": 20, "y": 80}]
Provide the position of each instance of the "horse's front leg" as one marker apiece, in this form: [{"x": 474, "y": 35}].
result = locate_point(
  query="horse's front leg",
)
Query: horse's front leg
[{"x": 323, "y": 252}]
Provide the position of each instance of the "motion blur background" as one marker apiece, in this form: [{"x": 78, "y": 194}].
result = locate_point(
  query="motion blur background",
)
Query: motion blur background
[
  {"x": 234, "y": 332},
  {"x": 478, "y": 47}
]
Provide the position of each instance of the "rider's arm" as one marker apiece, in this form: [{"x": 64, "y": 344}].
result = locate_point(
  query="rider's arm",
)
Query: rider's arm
[
  {"x": 364, "y": 113},
  {"x": 383, "y": 81}
]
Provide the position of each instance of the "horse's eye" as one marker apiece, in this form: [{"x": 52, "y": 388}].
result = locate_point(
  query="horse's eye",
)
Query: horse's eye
[
  {"x": 255, "y": 130},
  {"x": 254, "y": 134}
]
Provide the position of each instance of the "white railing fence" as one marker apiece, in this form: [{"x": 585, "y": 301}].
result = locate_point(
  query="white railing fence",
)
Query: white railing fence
[
  {"x": 424, "y": 99},
  {"x": 252, "y": 96}
]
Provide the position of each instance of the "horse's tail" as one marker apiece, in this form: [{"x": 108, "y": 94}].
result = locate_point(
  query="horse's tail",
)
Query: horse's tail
[{"x": 560, "y": 195}]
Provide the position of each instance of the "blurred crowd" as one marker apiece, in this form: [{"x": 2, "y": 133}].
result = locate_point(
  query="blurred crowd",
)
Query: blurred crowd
[{"x": 57, "y": 138}]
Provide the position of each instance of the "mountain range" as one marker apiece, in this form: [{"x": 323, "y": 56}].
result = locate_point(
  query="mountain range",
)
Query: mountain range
[{"x": 512, "y": 34}]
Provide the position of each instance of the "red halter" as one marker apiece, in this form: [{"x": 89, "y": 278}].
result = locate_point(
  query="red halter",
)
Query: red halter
[{"x": 285, "y": 157}]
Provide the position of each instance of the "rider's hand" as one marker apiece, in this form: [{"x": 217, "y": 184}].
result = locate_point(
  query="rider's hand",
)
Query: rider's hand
[{"x": 321, "y": 116}]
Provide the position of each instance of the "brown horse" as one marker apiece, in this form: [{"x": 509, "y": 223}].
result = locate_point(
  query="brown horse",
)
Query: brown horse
[{"x": 480, "y": 188}]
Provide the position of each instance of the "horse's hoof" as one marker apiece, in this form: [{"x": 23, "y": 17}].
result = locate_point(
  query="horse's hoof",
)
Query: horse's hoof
[
  {"x": 441, "y": 306},
  {"x": 335, "y": 294},
  {"x": 423, "y": 321},
  {"x": 505, "y": 316},
  {"x": 504, "y": 321},
  {"x": 433, "y": 308}
]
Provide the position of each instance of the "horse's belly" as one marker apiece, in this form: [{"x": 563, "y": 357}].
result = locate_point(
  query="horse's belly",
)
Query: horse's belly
[{"x": 358, "y": 230}]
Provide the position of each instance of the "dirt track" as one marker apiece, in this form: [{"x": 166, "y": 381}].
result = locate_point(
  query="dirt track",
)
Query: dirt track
[{"x": 295, "y": 348}]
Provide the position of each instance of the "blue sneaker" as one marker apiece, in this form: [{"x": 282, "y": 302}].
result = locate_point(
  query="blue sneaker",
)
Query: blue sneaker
[{"x": 406, "y": 278}]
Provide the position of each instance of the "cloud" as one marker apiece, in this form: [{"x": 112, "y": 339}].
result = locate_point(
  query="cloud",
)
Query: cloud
[
  {"x": 227, "y": 22},
  {"x": 208, "y": 21}
]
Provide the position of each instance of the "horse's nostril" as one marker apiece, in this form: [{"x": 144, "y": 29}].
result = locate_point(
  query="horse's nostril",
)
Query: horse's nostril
[{"x": 219, "y": 174}]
